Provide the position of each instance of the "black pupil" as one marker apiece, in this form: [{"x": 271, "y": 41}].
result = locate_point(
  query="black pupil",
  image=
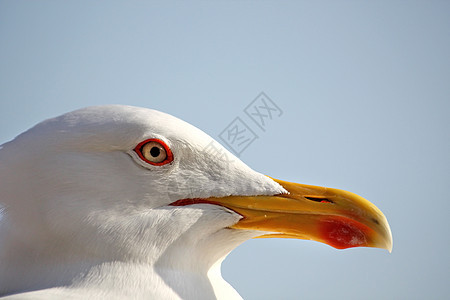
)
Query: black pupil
[{"x": 155, "y": 151}]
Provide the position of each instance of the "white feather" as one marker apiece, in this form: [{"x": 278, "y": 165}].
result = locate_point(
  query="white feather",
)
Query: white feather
[{"x": 84, "y": 217}]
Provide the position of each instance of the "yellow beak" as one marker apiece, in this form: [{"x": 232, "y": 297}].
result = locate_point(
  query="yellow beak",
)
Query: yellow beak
[{"x": 335, "y": 217}]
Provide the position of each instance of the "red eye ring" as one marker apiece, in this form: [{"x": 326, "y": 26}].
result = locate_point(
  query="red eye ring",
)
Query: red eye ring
[{"x": 139, "y": 151}]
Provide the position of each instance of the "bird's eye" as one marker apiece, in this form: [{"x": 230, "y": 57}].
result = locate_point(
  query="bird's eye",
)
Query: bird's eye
[{"x": 154, "y": 152}]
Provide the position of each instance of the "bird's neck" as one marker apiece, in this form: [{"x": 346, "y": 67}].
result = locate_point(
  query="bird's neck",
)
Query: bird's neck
[
  {"x": 134, "y": 260},
  {"x": 143, "y": 282},
  {"x": 117, "y": 279}
]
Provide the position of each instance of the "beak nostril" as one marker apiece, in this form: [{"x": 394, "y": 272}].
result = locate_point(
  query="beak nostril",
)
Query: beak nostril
[
  {"x": 319, "y": 199},
  {"x": 375, "y": 221}
]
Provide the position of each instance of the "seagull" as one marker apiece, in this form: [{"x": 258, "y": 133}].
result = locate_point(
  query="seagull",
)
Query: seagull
[{"x": 122, "y": 202}]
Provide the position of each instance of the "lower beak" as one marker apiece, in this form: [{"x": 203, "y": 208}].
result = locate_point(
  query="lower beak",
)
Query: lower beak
[{"x": 335, "y": 217}]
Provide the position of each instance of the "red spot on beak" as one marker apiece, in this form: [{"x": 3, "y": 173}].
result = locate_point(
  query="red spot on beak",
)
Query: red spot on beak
[{"x": 342, "y": 232}]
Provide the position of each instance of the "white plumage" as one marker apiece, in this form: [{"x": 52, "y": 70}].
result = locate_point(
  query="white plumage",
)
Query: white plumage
[{"x": 84, "y": 218}]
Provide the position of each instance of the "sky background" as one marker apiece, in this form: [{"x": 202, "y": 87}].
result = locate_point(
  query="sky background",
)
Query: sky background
[{"x": 364, "y": 88}]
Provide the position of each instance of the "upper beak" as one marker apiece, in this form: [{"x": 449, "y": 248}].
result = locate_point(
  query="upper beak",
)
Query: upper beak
[{"x": 335, "y": 217}]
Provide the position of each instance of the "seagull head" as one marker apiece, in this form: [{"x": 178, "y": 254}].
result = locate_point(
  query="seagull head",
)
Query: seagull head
[{"x": 122, "y": 184}]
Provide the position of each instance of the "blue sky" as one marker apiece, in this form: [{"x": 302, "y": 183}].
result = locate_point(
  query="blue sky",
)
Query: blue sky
[{"x": 363, "y": 86}]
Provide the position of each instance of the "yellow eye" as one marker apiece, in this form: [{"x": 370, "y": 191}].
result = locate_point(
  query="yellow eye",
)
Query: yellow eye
[{"x": 154, "y": 152}]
